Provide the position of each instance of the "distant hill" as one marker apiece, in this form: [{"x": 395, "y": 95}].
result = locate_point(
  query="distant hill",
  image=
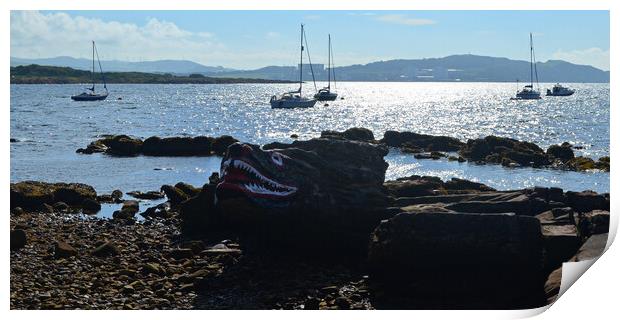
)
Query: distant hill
[
  {"x": 451, "y": 68},
  {"x": 182, "y": 67},
  {"x": 36, "y": 74}
]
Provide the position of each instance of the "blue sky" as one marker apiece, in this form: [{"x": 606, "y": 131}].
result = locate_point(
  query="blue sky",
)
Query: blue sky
[{"x": 252, "y": 39}]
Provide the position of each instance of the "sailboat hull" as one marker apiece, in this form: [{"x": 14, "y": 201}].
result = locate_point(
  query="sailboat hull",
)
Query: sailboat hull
[
  {"x": 326, "y": 96},
  {"x": 292, "y": 103},
  {"x": 89, "y": 97}
]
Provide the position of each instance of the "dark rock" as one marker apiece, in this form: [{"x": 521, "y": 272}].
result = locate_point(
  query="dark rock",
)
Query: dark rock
[
  {"x": 131, "y": 206},
  {"x": 520, "y": 205},
  {"x": 107, "y": 249},
  {"x": 449, "y": 260},
  {"x": 321, "y": 193},
  {"x": 17, "y": 211},
  {"x": 60, "y": 206},
  {"x": 584, "y": 164},
  {"x": 90, "y": 205},
  {"x": 151, "y": 267},
  {"x": 552, "y": 285},
  {"x": 18, "y": 240},
  {"x": 462, "y": 184},
  {"x": 342, "y": 303},
  {"x": 312, "y": 303},
  {"x": 593, "y": 222},
  {"x": 175, "y": 195},
  {"x": 592, "y": 248},
  {"x": 128, "y": 210},
  {"x": 586, "y": 201},
  {"x": 149, "y": 195},
  {"x": 63, "y": 250},
  {"x": 413, "y": 186},
  {"x": 117, "y": 194},
  {"x": 177, "y": 146},
  {"x": 561, "y": 243},
  {"x": 182, "y": 253},
  {"x": 32, "y": 194},
  {"x": 221, "y": 144},
  {"x": 123, "y": 145},
  {"x": 427, "y": 142},
  {"x": 161, "y": 210},
  {"x": 198, "y": 214},
  {"x": 562, "y": 152},
  {"x": 356, "y": 134},
  {"x": 14, "y": 140},
  {"x": 188, "y": 189},
  {"x": 505, "y": 151}
]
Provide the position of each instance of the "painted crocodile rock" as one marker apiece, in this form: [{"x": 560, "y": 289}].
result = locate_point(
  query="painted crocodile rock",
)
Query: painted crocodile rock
[{"x": 315, "y": 193}]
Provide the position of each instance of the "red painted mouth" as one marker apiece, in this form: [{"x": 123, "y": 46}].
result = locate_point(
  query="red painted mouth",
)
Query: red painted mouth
[{"x": 239, "y": 175}]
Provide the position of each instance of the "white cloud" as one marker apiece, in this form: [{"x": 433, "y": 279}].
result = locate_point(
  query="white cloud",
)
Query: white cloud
[
  {"x": 595, "y": 57},
  {"x": 272, "y": 35},
  {"x": 312, "y": 17},
  {"x": 404, "y": 20},
  {"x": 37, "y": 35}
]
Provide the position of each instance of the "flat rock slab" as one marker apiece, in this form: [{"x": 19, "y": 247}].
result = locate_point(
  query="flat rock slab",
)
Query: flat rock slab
[
  {"x": 592, "y": 248},
  {"x": 487, "y": 260}
]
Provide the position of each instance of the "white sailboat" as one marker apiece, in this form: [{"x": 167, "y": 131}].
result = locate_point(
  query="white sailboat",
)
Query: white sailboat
[
  {"x": 325, "y": 94},
  {"x": 91, "y": 95},
  {"x": 294, "y": 99},
  {"x": 528, "y": 92}
]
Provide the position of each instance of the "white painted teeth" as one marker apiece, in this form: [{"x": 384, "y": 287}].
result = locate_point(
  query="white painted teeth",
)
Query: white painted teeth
[{"x": 265, "y": 185}]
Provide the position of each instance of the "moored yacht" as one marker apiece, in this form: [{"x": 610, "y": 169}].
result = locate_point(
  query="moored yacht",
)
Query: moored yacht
[
  {"x": 325, "y": 94},
  {"x": 560, "y": 91},
  {"x": 528, "y": 92},
  {"x": 90, "y": 94},
  {"x": 294, "y": 99}
]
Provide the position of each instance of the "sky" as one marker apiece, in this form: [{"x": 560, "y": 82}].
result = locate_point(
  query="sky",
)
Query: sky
[{"x": 254, "y": 39}]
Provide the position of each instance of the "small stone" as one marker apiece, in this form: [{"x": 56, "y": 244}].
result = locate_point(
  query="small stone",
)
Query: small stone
[
  {"x": 18, "y": 239},
  {"x": 179, "y": 254},
  {"x": 63, "y": 250},
  {"x": 342, "y": 303},
  {"x": 106, "y": 249}
]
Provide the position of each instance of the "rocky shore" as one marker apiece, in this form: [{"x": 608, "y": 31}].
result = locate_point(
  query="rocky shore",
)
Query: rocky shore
[
  {"x": 303, "y": 225},
  {"x": 124, "y": 145},
  {"x": 489, "y": 150}
]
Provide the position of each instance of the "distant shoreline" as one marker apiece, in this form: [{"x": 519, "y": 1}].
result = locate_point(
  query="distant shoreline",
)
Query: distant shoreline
[{"x": 36, "y": 74}]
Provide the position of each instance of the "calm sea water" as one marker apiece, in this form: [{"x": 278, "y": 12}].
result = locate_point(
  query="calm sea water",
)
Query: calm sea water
[{"x": 50, "y": 127}]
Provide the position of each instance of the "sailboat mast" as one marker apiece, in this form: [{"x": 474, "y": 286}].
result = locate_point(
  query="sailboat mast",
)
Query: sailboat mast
[
  {"x": 329, "y": 54},
  {"x": 301, "y": 58},
  {"x": 93, "y": 73},
  {"x": 531, "y": 62}
]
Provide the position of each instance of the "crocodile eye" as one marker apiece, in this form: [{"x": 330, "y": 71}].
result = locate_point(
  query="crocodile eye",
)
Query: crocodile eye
[{"x": 277, "y": 159}]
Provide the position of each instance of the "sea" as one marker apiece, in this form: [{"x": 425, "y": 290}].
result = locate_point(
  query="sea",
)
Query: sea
[{"x": 49, "y": 127}]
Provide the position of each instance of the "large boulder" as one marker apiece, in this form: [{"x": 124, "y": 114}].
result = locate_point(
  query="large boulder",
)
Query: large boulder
[
  {"x": 563, "y": 152},
  {"x": 33, "y": 194},
  {"x": 221, "y": 144},
  {"x": 124, "y": 145},
  {"x": 18, "y": 239},
  {"x": 592, "y": 248},
  {"x": 356, "y": 134},
  {"x": 321, "y": 194},
  {"x": 476, "y": 261},
  {"x": 593, "y": 222},
  {"x": 177, "y": 146},
  {"x": 561, "y": 243},
  {"x": 493, "y": 149},
  {"x": 414, "y": 186},
  {"x": 424, "y": 141},
  {"x": 586, "y": 201}
]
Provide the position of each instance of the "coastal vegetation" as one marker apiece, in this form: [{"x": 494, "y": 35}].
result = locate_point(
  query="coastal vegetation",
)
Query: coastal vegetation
[{"x": 37, "y": 74}]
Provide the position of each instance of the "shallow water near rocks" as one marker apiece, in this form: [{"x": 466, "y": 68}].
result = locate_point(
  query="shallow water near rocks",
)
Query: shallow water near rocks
[{"x": 49, "y": 128}]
